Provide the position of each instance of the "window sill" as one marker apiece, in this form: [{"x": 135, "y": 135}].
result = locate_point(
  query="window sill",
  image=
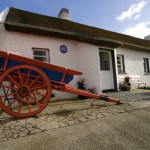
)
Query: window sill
[
  {"x": 146, "y": 73},
  {"x": 122, "y": 73}
]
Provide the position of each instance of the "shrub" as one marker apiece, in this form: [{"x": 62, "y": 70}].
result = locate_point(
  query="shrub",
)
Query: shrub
[{"x": 125, "y": 86}]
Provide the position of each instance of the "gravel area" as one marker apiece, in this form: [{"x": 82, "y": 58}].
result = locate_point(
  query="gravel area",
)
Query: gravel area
[{"x": 135, "y": 95}]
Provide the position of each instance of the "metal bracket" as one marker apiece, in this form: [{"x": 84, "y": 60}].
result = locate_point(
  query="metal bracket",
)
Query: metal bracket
[{"x": 103, "y": 97}]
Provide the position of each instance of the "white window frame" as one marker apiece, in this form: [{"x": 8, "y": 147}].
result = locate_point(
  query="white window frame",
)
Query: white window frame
[
  {"x": 46, "y": 56},
  {"x": 120, "y": 66}
]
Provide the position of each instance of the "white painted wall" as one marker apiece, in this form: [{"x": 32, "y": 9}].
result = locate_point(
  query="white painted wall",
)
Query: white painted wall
[
  {"x": 89, "y": 63},
  {"x": 134, "y": 63},
  {"x": 80, "y": 56}
]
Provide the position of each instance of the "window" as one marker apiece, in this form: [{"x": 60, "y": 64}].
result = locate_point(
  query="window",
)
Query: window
[
  {"x": 104, "y": 61},
  {"x": 41, "y": 54},
  {"x": 146, "y": 65},
  {"x": 120, "y": 64}
]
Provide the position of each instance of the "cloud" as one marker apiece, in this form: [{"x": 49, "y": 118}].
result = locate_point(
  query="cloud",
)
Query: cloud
[
  {"x": 140, "y": 30},
  {"x": 132, "y": 11},
  {"x": 137, "y": 16}
]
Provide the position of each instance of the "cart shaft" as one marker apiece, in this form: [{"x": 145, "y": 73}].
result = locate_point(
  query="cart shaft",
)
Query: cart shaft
[{"x": 71, "y": 90}]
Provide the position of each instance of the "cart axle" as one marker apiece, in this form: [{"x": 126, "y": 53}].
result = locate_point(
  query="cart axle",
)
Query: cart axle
[{"x": 23, "y": 91}]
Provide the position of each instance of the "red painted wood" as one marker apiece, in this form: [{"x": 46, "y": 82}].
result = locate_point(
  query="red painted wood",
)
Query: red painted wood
[
  {"x": 69, "y": 89},
  {"x": 21, "y": 92}
]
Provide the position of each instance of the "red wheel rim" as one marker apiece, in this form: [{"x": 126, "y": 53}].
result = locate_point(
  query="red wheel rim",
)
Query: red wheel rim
[{"x": 27, "y": 85}]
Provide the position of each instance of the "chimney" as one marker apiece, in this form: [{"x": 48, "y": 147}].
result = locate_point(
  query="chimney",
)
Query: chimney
[
  {"x": 3, "y": 15},
  {"x": 64, "y": 14}
]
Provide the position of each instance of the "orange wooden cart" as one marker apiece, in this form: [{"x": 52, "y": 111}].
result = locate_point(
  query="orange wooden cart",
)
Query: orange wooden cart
[{"x": 26, "y": 85}]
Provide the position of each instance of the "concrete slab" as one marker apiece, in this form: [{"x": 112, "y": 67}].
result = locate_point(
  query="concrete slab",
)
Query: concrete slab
[
  {"x": 86, "y": 124},
  {"x": 123, "y": 131}
]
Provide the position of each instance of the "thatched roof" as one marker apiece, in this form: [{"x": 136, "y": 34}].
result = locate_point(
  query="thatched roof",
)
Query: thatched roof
[{"x": 28, "y": 22}]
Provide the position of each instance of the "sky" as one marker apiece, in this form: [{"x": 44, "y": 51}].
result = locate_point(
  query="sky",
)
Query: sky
[{"x": 131, "y": 17}]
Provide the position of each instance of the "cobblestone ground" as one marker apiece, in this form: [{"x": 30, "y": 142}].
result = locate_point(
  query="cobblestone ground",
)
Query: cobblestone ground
[{"x": 11, "y": 128}]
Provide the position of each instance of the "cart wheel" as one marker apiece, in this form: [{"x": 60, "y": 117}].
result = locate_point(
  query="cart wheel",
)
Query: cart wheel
[
  {"x": 38, "y": 98},
  {"x": 20, "y": 87}
]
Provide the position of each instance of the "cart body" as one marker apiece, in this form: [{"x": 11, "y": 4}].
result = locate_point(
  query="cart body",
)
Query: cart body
[{"x": 54, "y": 72}]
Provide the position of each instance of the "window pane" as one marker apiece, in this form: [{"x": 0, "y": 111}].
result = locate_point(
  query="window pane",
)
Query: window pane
[
  {"x": 104, "y": 61},
  {"x": 146, "y": 65},
  {"x": 42, "y": 53},
  {"x": 44, "y": 59},
  {"x": 118, "y": 58},
  {"x": 119, "y": 71},
  {"x": 120, "y": 64}
]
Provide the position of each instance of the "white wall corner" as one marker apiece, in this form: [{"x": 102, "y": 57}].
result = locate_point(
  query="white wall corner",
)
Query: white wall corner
[{"x": 3, "y": 15}]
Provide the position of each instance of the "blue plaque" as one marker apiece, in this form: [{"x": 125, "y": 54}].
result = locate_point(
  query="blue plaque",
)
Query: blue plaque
[{"x": 63, "y": 48}]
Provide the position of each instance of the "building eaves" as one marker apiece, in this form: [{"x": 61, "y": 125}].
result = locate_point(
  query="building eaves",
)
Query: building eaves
[
  {"x": 27, "y": 28},
  {"x": 28, "y": 22}
]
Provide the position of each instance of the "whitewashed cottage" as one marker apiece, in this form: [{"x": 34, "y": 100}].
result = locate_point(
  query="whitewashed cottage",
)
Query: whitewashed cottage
[{"x": 103, "y": 56}]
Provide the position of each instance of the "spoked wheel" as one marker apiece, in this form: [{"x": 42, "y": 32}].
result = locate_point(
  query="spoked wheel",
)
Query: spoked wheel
[
  {"x": 38, "y": 98},
  {"x": 24, "y": 91}
]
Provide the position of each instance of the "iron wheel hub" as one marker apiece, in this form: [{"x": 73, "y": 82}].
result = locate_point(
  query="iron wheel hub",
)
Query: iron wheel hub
[{"x": 23, "y": 91}]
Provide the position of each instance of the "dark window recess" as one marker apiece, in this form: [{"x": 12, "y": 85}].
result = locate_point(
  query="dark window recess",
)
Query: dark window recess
[
  {"x": 104, "y": 61},
  {"x": 146, "y": 65},
  {"x": 40, "y": 58},
  {"x": 41, "y": 53}
]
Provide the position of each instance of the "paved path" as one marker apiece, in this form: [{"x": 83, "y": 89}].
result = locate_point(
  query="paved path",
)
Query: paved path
[
  {"x": 70, "y": 115},
  {"x": 120, "y": 131},
  {"x": 11, "y": 128}
]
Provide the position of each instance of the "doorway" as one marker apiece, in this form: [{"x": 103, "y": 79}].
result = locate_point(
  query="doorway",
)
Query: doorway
[{"x": 106, "y": 69}]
